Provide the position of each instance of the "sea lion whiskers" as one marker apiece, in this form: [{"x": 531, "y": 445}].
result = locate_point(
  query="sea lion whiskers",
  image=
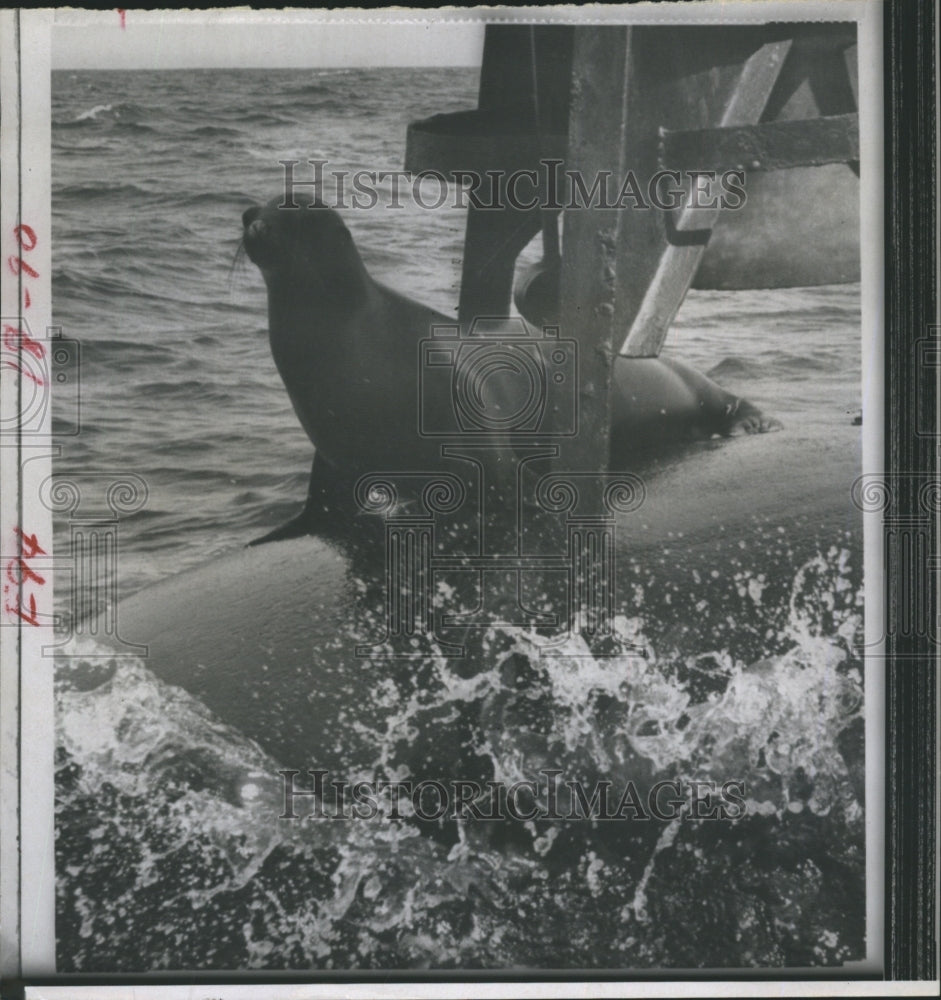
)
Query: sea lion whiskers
[{"x": 237, "y": 265}]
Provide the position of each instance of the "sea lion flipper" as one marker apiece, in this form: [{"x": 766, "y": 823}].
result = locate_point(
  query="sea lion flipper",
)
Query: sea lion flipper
[
  {"x": 295, "y": 528},
  {"x": 312, "y": 517},
  {"x": 746, "y": 418}
]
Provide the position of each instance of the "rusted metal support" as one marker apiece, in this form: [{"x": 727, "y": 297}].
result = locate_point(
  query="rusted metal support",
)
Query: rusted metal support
[
  {"x": 643, "y": 99},
  {"x": 588, "y": 313}
]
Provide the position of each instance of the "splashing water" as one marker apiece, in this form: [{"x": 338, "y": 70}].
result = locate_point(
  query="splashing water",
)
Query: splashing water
[{"x": 171, "y": 853}]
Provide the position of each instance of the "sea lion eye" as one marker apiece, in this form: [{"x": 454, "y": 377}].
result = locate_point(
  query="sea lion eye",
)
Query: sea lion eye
[{"x": 250, "y": 215}]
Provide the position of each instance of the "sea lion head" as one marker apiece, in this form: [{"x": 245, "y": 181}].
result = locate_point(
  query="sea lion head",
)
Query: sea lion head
[{"x": 307, "y": 249}]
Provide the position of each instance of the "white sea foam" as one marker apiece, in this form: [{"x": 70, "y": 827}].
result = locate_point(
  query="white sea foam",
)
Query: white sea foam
[{"x": 92, "y": 113}]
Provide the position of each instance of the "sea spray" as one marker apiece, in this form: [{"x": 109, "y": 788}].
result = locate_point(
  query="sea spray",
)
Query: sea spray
[{"x": 171, "y": 854}]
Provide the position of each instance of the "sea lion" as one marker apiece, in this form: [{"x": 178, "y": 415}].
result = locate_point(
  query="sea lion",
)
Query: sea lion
[{"x": 347, "y": 349}]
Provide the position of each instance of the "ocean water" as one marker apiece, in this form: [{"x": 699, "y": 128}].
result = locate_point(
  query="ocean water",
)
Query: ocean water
[
  {"x": 151, "y": 173},
  {"x": 162, "y": 860}
]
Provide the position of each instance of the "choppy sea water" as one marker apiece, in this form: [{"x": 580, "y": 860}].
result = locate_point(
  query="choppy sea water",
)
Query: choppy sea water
[{"x": 166, "y": 853}]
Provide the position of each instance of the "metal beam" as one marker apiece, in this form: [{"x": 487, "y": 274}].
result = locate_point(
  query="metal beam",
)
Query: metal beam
[
  {"x": 597, "y": 124},
  {"x": 769, "y": 146}
]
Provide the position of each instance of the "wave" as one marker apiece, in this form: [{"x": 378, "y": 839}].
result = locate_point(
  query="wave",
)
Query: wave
[
  {"x": 92, "y": 112},
  {"x": 349, "y": 104},
  {"x": 109, "y": 349},
  {"x": 213, "y": 131},
  {"x": 772, "y": 364},
  {"x": 785, "y": 363},
  {"x": 737, "y": 367},
  {"x": 114, "y": 128},
  {"x": 267, "y": 118},
  {"x": 190, "y": 390},
  {"x": 80, "y": 147},
  {"x": 124, "y": 112},
  {"x": 102, "y": 189},
  {"x": 81, "y": 285},
  {"x": 307, "y": 90},
  {"x": 236, "y": 200}
]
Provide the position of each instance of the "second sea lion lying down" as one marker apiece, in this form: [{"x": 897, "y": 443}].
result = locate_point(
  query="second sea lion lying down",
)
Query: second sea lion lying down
[{"x": 347, "y": 349}]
